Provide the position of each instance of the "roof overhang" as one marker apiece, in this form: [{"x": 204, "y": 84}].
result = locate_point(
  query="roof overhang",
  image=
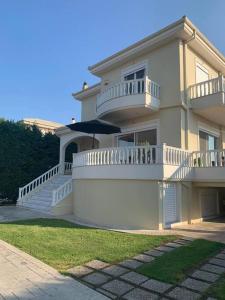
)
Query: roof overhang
[
  {"x": 90, "y": 91},
  {"x": 182, "y": 29}
]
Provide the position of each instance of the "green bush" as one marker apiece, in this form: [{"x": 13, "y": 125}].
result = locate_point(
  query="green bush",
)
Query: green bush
[{"x": 24, "y": 155}]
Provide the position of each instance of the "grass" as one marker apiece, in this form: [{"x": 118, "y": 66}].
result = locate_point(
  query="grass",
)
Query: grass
[
  {"x": 172, "y": 267},
  {"x": 218, "y": 289},
  {"x": 62, "y": 244}
]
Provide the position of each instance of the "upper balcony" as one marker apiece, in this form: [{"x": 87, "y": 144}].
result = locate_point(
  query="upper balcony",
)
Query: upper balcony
[
  {"x": 208, "y": 100},
  {"x": 128, "y": 99}
]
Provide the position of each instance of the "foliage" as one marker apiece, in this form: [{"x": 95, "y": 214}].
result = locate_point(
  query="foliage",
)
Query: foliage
[
  {"x": 63, "y": 245},
  {"x": 24, "y": 155}
]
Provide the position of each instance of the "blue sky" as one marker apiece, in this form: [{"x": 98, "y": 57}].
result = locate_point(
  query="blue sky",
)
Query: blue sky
[{"x": 47, "y": 45}]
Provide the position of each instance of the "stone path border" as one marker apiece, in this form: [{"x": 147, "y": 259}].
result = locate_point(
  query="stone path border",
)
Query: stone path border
[{"x": 120, "y": 281}]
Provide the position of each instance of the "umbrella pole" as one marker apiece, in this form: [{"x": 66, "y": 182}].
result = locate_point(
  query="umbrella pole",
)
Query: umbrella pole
[{"x": 93, "y": 141}]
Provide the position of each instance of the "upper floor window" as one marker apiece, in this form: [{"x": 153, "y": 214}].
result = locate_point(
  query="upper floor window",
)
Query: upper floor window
[
  {"x": 201, "y": 73},
  {"x": 135, "y": 75}
]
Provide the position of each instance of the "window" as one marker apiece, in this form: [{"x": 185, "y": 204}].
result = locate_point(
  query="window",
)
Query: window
[
  {"x": 208, "y": 141},
  {"x": 135, "y": 75},
  {"x": 141, "y": 138}
]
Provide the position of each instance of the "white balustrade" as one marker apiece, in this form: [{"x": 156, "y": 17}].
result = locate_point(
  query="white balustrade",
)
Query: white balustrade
[
  {"x": 176, "y": 156},
  {"x": 126, "y": 88},
  {"x": 62, "y": 192},
  {"x": 211, "y": 158},
  {"x": 206, "y": 88},
  {"x": 68, "y": 167},
  {"x": 37, "y": 182},
  {"x": 140, "y": 155}
]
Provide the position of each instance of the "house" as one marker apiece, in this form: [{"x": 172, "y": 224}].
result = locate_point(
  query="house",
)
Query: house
[
  {"x": 44, "y": 125},
  {"x": 167, "y": 167}
]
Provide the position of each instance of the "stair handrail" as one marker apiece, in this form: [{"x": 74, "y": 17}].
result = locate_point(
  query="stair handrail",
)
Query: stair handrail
[
  {"x": 37, "y": 182},
  {"x": 61, "y": 192}
]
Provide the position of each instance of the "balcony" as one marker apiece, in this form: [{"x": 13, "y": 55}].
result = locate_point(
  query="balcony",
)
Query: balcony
[
  {"x": 150, "y": 163},
  {"x": 128, "y": 99},
  {"x": 208, "y": 99}
]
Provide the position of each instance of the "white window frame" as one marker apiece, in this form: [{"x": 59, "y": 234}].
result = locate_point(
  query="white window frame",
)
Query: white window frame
[
  {"x": 207, "y": 129},
  {"x": 138, "y": 128},
  {"x": 204, "y": 69},
  {"x": 134, "y": 68}
]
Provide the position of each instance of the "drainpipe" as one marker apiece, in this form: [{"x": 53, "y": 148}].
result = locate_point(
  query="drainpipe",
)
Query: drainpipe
[{"x": 185, "y": 43}]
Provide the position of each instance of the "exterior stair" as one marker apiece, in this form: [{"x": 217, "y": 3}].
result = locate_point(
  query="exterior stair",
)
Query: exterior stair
[{"x": 46, "y": 191}]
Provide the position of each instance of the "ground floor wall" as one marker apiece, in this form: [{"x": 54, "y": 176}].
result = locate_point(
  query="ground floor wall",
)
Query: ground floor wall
[
  {"x": 117, "y": 203},
  {"x": 144, "y": 204}
]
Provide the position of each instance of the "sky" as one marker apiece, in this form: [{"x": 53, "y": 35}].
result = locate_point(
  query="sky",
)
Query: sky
[{"x": 46, "y": 46}]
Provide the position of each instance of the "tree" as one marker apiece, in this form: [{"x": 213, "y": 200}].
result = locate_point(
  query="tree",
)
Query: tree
[{"x": 24, "y": 155}]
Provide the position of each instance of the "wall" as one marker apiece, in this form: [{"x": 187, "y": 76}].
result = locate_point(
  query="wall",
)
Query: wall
[
  {"x": 88, "y": 108},
  {"x": 64, "y": 207},
  {"x": 117, "y": 203}
]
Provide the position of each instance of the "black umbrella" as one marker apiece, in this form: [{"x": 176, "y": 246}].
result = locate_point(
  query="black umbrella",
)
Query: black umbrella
[{"x": 94, "y": 126}]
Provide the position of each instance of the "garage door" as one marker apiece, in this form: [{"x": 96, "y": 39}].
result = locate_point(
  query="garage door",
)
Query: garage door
[
  {"x": 170, "y": 204},
  {"x": 209, "y": 203}
]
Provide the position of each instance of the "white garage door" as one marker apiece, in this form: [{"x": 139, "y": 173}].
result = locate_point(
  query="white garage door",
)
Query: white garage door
[
  {"x": 170, "y": 203},
  {"x": 209, "y": 203}
]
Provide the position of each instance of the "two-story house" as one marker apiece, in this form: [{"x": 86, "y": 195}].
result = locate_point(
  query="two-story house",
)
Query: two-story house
[{"x": 167, "y": 166}]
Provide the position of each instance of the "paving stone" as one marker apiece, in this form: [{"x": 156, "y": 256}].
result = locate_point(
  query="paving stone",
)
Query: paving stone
[
  {"x": 131, "y": 264},
  {"x": 182, "y": 242},
  {"x": 213, "y": 268},
  {"x": 96, "y": 278},
  {"x": 165, "y": 249},
  {"x": 210, "y": 298},
  {"x": 117, "y": 287},
  {"x": 157, "y": 286},
  {"x": 106, "y": 293},
  {"x": 115, "y": 270},
  {"x": 183, "y": 294},
  {"x": 196, "y": 285},
  {"x": 79, "y": 271},
  {"x": 155, "y": 253},
  {"x": 203, "y": 275},
  {"x": 144, "y": 258},
  {"x": 220, "y": 256},
  {"x": 139, "y": 294},
  {"x": 97, "y": 264},
  {"x": 188, "y": 238},
  {"x": 173, "y": 245},
  {"x": 218, "y": 262},
  {"x": 134, "y": 277}
]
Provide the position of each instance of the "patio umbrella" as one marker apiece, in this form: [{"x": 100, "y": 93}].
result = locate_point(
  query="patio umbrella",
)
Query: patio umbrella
[{"x": 94, "y": 126}]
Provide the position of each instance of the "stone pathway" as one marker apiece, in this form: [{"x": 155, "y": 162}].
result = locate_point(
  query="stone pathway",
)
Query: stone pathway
[
  {"x": 23, "y": 277},
  {"x": 121, "y": 281}
]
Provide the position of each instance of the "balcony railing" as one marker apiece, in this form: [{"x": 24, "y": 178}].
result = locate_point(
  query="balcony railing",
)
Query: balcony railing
[
  {"x": 127, "y": 88},
  {"x": 207, "y": 88},
  {"x": 150, "y": 155}
]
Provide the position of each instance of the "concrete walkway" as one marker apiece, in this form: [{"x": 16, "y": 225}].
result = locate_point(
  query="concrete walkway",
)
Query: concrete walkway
[{"x": 24, "y": 277}]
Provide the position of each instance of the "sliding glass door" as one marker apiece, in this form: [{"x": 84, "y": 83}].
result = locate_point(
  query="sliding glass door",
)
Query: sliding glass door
[{"x": 140, "y": 138}]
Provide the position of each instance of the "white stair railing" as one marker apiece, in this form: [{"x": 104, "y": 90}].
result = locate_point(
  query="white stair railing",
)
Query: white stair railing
[
  {"x": 68, "y": 167},
  {"x": 62, "y": 192},
  {"x": 39, "y": 181}
]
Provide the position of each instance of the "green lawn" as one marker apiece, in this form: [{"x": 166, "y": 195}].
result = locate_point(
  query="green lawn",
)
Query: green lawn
[
  {"x": 63, "y": 245},
  {"x": 173, "y": 266},
  {"x": 218, "y": 289}
]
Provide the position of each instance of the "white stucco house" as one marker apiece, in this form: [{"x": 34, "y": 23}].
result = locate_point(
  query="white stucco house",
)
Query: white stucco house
[{"x": 167, "y": 166}]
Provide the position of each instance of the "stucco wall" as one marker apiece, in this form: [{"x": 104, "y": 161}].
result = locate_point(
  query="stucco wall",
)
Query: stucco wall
[
  {"x": 117, "y": 203},
  {"x": 88, "y": 109}
]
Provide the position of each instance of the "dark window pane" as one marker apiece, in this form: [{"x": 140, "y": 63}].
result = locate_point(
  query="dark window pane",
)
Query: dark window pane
[{"x": 140, "y": 74}]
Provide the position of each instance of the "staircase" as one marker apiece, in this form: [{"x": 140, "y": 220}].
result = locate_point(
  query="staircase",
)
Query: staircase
[{"x": 48, "y": 190}]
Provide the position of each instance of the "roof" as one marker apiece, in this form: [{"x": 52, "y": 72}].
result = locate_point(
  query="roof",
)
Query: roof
[
  {"x": 183, "y": 29},
  {"x": 42, "y": 123},
  {"x": 90, "y": 91}
]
